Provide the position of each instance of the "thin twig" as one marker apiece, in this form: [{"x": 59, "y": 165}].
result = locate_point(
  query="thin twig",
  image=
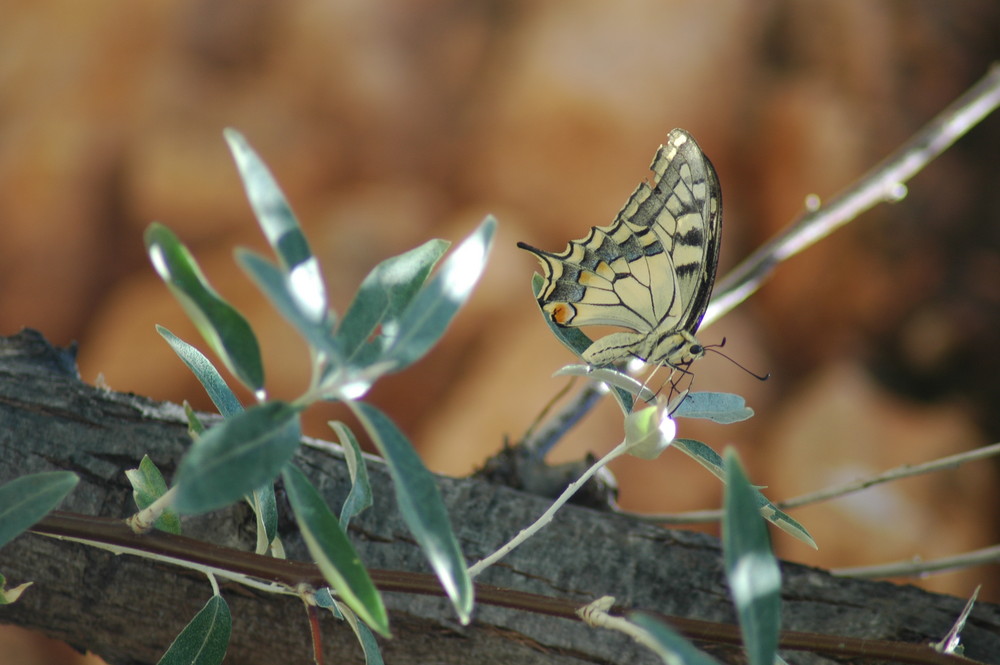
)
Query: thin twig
[
  {"x": 918, "y": 568},
  {"x": 545, "y": 433},
  {"x": 541, "y": 522},
  {"x": 285, "y": 576},
  {"x": 884, "y": 183},
  {"x": 905, "y": 471},
  {"x": 898, "y": 473}
]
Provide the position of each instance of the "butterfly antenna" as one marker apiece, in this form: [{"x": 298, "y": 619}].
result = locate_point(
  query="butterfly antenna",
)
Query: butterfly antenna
[{"x": 714, "y": 348}]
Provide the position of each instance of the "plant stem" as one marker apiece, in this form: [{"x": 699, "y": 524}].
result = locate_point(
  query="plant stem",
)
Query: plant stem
[
  {"x": 286, "y": 576},
  {"x": 883, "y": 183},
  {"x": 547, "y": 516},
  {"x": 898, "y": 473},
  {"x": 143, "y": 521}
]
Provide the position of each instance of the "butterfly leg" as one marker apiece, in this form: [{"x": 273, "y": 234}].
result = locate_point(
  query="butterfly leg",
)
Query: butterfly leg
[{"x": 678, "y": 374}]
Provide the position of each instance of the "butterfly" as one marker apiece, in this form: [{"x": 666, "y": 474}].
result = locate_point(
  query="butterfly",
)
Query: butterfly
[{"x": 651, "y": 271}]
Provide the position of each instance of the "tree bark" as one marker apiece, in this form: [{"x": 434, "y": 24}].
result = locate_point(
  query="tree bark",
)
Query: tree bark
[{"x": 128, "y": 610}]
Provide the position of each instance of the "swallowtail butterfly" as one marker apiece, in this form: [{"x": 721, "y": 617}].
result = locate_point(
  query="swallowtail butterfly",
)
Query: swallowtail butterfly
[{"x": 651, "y": 271}]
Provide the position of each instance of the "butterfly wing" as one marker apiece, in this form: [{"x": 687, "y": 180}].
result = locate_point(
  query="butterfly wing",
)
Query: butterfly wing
[
  {"x": 684, "y": 208},
  {"x": 603, "y": 279},
  {"x": 652, "y": 269}
]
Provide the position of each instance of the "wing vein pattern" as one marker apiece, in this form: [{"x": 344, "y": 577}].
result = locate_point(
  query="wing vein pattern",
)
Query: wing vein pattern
[{"x": 650, "y": 271}]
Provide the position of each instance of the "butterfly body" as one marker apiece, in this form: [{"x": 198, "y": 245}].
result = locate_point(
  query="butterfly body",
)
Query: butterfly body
[{"x": 650, "y": 271}]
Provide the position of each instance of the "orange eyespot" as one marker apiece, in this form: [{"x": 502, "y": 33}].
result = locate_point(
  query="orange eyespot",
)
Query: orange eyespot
[{"x": 562, "y": 313}]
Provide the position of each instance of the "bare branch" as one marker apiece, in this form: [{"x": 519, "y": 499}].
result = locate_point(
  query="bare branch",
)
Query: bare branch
[
  {"x": 898, "y": 473},
  {"x": 884, "y": 183},
  {"x": 920, "y": 568}
]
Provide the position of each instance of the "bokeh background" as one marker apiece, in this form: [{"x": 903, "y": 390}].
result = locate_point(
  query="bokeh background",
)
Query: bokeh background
[{"x": 388, "y": 123}]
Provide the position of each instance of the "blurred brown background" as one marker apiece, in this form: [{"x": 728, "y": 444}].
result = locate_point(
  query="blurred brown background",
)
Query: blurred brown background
[{"x": 388, "y": 123}]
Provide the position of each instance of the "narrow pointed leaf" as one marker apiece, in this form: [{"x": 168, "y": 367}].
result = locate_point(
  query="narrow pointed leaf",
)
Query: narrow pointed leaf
[
  {"x": 265, "y": 507},
  {"x": 25, "y": 500},
  {"x": 783, "y": 521},
  {"x": 9, "y": 596},
  {"x": 325, "y": 600},
  {"x": 282, "y": 230},
  {"x": 952, "y": 642},
  {"x": 751, "y": 568},
  {"x": 148, "y": 485},
  {"x": 332, "y": 550},
  {"x": 203, "y": 641},
  {"x": 668, "y": 644},
  {"x": 373, "y": 655},
  {"x": 432, "y": 309},
  {"x": 724, "y": 408},
  {"x": 360, "y": 496},
  {"x": 218, "y": 390},
  {"x": 712, "y": 461},
  {"x": 421, "y": 506},
  {"x": 195, "y": 426},
  {"x": 236, "y": 457},
  {"x": 262, "y": 499},
  {"x": 224, "y": 328},
  {"x": 279, "y": 289},
  {"x": 702, "y": 454},
  {"x": 383, "y": 295}
]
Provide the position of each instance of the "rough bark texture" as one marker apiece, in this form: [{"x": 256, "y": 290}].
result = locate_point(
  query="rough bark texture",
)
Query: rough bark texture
[{"x": 129, "y": 610}]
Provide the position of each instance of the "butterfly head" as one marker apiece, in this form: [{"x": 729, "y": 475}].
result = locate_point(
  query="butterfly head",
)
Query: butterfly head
[{"x": 678, "y": 349}]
